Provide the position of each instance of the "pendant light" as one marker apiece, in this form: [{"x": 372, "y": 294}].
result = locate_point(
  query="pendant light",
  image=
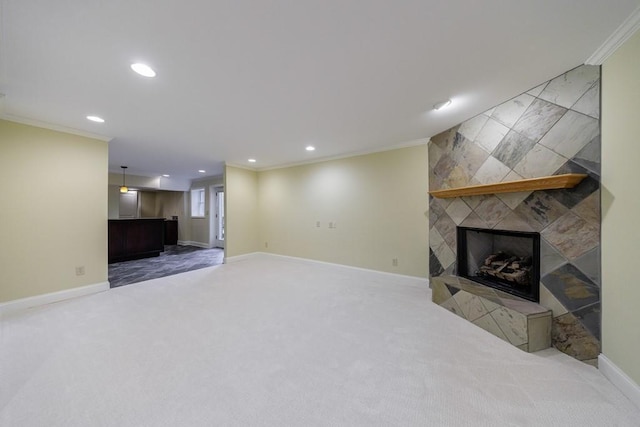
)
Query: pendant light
[{"x": 123, "y": 188}]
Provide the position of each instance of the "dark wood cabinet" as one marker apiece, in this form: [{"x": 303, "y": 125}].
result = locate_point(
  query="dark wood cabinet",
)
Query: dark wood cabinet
[
  {"x": 135, "y": 238},
  {"x": 170, "y": 232}
]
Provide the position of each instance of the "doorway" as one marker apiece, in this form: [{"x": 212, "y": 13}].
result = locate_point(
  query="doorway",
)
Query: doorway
[{"x": 217, "y": 225}]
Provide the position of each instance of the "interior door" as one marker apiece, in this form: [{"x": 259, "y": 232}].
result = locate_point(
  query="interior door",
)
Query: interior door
[{"x": 219, "y": 218}]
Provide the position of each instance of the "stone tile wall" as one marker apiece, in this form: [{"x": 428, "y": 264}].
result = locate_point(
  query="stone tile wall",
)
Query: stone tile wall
[{"x": 552, "y": 129}]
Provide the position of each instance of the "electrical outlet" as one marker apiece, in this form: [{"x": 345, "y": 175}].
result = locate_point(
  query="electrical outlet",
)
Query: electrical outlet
[
  {"x": 317, "y": 223},
  {"x": 330, "y": 224},
  {"x": 80, "y": 270},
  {"x": 394, "y": 262}
]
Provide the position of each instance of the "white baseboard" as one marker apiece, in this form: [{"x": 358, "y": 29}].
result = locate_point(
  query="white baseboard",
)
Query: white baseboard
[
  {"x": 192, "y": 243},
  {"x": 313, "y": 261},
  {"x": 24, "y": 303},
  {"x": 619, "y": 379},
  {"x": 228, "y": 260}
]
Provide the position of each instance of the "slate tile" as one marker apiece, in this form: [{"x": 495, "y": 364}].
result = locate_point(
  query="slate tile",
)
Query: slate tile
[
  {"x": 513, "y": 148},
  {"x": 550, "y": 258},
  {"x": 538, "y": 89},
  {"x": 444, "y": 140},
  {"x": 491, "y": 171},
  {"x": 568, "y": 88},
  {"x": 458, "y": 210},
  {"x": 452, "y": 289},
  {"x": 474, "y": 221},
  {"x": 444, "y": 167},
  {"x": 443, "y": 252},
  {"x": 538, "y": 119},
  {"x": 571, "y": 337},
  {"x": 589, "y": 208},
  {"x": 473, "y": 201},
  {"x": 472, "y": 127},
  {"x": 571, "y": 134},
  {"x": 435, "y": 153},
  {"x": 548, "y": 300},
  {"x": 513, "y": 199},
  {"x": 589, "y": 103},
  {"x": 539, "y": 161},
  {"x": 570, "y": 197},
  {"x": 510, "y": 111},
  {"x": 589, "y": 264},
  {"x": 435, "y": 268},
  {"x": 468, "y": 156},
  {"x": 590, "y": 318},
  {"x": 572, "y": 235},
  {"x": 447, "y": 229},
  {"x": 540, "y": 210},
  {"x": 589, "y": 157},
  {"x": 514, "y": 222},
  {"x": 439, "y": 291},
  {"x": 491, "y": 135},
  {"x": 572, "y": 288},
  {"x": 435, "y": 207},
  {"x": 492, "y": 210}
]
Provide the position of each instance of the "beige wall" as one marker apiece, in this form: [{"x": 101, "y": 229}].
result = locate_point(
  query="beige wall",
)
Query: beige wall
[
  {"x": 377, "y": 204},
  {"x": 170, "y": 203},
  {"x": 241, "y": 206},
  {"x": 113, "y": 202},
  {"x": 147, "y": 203},
  {"x": 54, "y": 211},
  {"x": 621, "y": 207}
]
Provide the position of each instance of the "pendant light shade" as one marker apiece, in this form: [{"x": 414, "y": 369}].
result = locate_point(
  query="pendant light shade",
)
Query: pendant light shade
[{"x": 123, "y": 188}]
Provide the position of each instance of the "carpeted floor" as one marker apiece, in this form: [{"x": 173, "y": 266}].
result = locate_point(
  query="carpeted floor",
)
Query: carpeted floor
[
  {"x": 175, "y": 259},
  {"x": 268, "y": 341}
]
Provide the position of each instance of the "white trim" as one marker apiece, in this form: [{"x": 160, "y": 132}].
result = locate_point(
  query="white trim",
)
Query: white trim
[
  {"x": 24, "y": 303},
  {"x": 196, "y": 244},
  {"x": 51, "y": 126},
  {"x": 243, "y": 257},
  {"x": 239, "y": 166},
  {"x": 619, "y": 379},
  {"x": 615, "y": 40},
  {"x": 414, "y": 143},
  {"x": 313, "y": 261}
]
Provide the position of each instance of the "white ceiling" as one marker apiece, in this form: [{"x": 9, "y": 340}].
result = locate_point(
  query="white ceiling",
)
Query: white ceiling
[{"x": 255, "y": 78}]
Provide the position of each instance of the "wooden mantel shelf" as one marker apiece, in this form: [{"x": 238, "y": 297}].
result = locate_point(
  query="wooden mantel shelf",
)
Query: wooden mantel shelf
[{"x": 569, "y": 180}]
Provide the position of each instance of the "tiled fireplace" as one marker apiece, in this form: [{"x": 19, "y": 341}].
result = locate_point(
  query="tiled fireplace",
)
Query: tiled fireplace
[
  {"x": 552, "y": 129},
  {"x": 501, "y": 259}
]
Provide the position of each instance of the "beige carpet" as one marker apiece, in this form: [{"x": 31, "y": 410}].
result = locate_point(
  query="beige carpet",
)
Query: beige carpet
[{"x": 274, "y": 342}]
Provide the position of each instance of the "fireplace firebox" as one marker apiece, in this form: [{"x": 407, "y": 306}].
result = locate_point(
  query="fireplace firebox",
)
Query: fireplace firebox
[{"x": 502, "y": 259}]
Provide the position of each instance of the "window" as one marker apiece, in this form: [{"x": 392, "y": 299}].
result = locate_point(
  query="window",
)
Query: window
[{"x": 197, "y": 202}]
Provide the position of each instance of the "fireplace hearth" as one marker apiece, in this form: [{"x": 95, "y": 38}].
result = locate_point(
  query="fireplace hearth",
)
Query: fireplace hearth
[{"x": 502, "y": 259}]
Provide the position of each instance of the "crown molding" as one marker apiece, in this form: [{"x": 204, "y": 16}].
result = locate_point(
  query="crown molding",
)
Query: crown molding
[
  {"x": 413, "y": 143},
  {"x": 239, "y": 166},
  {"x": 615, "y": 40},
  {"x": 51, "y": 126}
]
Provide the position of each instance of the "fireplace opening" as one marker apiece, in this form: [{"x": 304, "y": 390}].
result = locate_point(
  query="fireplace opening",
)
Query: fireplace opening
[{"x": 505, "y": 260}]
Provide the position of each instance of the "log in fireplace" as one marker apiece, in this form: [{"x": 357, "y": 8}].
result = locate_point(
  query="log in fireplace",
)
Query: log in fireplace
[{"x": 502, "y": 259}]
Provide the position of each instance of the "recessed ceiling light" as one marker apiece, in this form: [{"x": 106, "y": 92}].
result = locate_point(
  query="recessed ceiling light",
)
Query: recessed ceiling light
[
  {"x": 251, "y": 160},
  {"x": 95, "y": 119},
  {"x": 166, "y": 175},
  {"x": 442, "y": 104},
  {"x": 202, "y": 171},
  {"x": 143, "y": 69},
  {"x": 310, "y": 148}
]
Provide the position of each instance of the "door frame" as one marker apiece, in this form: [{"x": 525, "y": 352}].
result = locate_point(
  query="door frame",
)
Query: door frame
[{"x": 216, "y": 203}]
